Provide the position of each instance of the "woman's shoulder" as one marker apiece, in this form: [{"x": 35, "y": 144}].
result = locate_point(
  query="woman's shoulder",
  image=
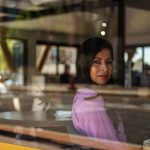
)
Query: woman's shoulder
[
  {"x": 87, "y": 100},
  {"x": 87, "y": 94}
]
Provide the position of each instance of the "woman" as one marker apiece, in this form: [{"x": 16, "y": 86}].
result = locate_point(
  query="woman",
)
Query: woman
[{"x": 89, "y": 115}]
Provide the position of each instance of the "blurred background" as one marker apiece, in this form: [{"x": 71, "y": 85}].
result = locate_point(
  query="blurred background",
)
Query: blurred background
[{"x": 39, "y": 38}]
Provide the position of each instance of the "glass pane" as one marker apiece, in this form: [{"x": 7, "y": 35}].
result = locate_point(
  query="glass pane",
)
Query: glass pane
[
  {"x": 147, "y": 55},
  {"x": 147, "y": 60},
  {"x": 12, "y": 46},
  {"x": 137, "y": 60},
  {"x": 49, "y": 66},
  {"x": 146, "y": 67},
  {"x": 12, "y": 61},
  {"x": 67, "y": 55}
]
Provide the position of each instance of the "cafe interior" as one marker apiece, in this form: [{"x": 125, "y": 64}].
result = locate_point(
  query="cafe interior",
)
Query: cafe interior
[{"x": 38, "y": 38}]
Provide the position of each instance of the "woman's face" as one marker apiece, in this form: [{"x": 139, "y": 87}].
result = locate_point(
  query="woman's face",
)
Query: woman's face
[{"x": 101, "y": 68}]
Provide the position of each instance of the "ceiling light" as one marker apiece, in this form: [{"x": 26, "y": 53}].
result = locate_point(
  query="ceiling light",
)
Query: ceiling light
[
  {"x": 103, "y": 33},
  {"x": 104, "y": 24}
]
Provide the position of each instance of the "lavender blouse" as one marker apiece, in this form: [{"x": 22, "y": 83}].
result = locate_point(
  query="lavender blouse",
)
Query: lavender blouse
[{"x": 91, "y": 119}]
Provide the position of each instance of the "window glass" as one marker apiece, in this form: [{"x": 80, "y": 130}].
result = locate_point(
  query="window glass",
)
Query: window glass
[
  {"x": 12, "y": 61},
  {"x": 147, "y": 60},
  {"x": 137, "y": 60},
  {"x": 147, "y": 55},
  {"x": 67, "y": 55},
  {"x": 50, "y": 60}
]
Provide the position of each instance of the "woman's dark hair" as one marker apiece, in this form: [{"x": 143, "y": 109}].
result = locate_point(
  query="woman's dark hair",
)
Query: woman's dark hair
[{"x": 87, "y": 52}]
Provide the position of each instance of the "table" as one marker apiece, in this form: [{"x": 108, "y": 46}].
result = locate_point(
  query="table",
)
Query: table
[{"x": 36, "y": 118}]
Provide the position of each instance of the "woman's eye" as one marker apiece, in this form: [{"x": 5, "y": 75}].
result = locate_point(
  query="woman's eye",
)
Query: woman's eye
[
  {"x": 96, "y": 62},
  {"x": 109, "y": 62}
]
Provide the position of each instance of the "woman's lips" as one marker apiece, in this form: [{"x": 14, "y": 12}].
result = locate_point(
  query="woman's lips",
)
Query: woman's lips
[{"x": 103, "y": 77}]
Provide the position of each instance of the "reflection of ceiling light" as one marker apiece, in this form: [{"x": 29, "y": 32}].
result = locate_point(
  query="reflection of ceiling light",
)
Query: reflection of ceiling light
[
  {"x": 104, "y": 24},
  {"x": 40, "y": 2},
  {"x": 103, "y": 33}
]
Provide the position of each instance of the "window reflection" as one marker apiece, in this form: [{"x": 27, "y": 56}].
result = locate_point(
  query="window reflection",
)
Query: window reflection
[
  {"x": 137, "y": 60},
  {"x": 56, "y": 58}
]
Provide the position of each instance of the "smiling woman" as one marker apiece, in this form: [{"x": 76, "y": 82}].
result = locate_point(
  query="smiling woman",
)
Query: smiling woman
[{"x": 89, "y": 115}]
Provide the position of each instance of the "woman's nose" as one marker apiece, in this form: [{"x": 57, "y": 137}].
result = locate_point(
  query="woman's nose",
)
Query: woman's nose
[{"x": 103, "y": 67}]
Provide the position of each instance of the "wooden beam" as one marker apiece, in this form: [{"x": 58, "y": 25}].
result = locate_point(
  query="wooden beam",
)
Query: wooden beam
[
  {"x": 7, "y": 55},
  {"x": 70, "y": 139},
  {"x": 41, "y": 58}
]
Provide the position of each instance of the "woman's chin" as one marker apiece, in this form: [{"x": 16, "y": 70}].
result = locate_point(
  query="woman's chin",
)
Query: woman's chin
[{"x": 101, "y": 82}]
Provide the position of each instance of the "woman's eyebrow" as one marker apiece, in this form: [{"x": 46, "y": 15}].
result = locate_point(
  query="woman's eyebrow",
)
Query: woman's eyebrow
[{"x": 102, "y": 58}]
